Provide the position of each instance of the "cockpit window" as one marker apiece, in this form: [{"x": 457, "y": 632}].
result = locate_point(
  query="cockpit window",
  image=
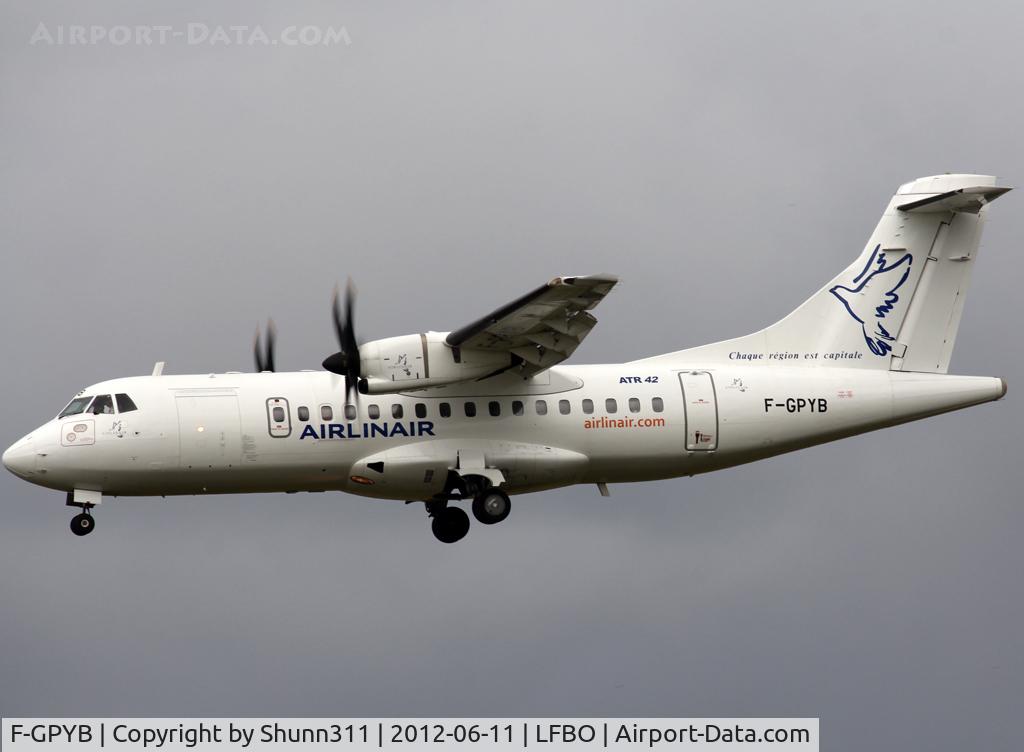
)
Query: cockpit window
[
  {"x": 124, "y": 403},
  {"x": 75, "y": 406},
  {"x": 102, "y": 405}
]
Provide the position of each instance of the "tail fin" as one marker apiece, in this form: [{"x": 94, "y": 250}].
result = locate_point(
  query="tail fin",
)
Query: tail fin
[{"x": 898, "y": 305}]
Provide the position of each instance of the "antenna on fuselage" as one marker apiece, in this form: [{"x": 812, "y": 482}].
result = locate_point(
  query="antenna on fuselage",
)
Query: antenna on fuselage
[{"x": 158, "y": 368}]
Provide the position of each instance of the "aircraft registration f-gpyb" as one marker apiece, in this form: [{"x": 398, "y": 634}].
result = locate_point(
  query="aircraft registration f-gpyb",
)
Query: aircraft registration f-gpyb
[{"x": 487, "y": 410}]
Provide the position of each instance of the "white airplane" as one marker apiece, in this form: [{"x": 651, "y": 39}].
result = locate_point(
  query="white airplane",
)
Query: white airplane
[{"x": 487, "y": 410}]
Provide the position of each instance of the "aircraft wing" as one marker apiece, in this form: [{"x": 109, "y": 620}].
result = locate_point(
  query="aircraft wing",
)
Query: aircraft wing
[{"x": 541, "y": 328}]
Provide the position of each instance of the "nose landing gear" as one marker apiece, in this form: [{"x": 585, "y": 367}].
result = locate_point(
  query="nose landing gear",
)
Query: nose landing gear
[{"x": 82, "y": 524}]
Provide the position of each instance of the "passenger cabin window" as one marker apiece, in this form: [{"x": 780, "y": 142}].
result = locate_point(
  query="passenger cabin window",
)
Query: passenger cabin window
[
  {"x": 610, "y": 406},
  {"x": 517, "y": 407},
  {"x": 421, "y": 410},
  {"x": 657, "y": 404},
  {"x": 350, "y": 412},
  {"x": 588, "y": 406},
  {"x": 445, "y": 409},
  {"x": 397, "y": 412},
  {"x": 564, "y": 407},
  {"x": 75, "y": 406},
  {"x": 303, "y": 413},
  {"x": 634, "y": 405},
  {"x": 373, "y": 411},
  {"x": 542, "y": 407},
  {"x": 326, "y": 413},
  {"x": 470, "y": 409},
  {"x": 494, "y": 408},
  {"x": 102, "y": 405},
  {"x": 124, "y": 403},
  {"x": 278, "y": 413}
]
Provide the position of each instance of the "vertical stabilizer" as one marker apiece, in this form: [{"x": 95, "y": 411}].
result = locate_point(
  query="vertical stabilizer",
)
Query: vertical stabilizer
[{"x": 898, "y": 305}]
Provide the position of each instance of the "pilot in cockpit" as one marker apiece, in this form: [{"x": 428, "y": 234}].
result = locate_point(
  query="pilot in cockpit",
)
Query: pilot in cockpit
[{"x": 100, "y": 405}]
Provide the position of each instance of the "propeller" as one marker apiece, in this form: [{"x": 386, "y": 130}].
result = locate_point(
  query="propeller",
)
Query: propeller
[
  {"x": 264, "y": 358},
  {"x": 345, "y": 362}
]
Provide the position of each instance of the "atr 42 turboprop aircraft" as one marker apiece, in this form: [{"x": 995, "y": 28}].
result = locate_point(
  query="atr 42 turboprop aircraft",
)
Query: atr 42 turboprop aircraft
[{"x": 487, "y": 410}]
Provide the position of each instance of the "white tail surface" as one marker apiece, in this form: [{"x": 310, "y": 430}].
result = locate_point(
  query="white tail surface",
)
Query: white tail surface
[{"x": 898, "y": 306}]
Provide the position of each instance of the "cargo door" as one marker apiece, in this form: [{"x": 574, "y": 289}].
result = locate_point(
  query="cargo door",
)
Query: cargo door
[{"x": 209, "y": 431}]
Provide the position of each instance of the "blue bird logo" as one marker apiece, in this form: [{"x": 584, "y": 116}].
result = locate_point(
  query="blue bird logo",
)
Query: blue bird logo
[{"x": 874, "y": 296}]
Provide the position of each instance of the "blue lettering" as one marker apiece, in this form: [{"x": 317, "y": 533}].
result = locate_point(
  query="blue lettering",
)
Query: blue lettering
[{"x": 368, "y": 430}]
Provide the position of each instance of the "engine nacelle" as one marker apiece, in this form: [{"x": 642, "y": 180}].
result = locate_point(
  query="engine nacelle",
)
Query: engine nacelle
[{"x": 421, "y": 361}]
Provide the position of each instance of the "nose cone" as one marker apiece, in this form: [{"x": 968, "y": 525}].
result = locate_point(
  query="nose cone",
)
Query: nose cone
[{"x": 20, "y": 459}]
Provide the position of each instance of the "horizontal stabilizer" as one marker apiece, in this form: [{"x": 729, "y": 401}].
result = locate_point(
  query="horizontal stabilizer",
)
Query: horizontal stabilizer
[{"x": 970, "y": 199}]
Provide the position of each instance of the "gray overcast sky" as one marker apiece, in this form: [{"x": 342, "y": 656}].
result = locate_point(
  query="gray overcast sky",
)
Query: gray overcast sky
[{"x": 725, "y": 159}]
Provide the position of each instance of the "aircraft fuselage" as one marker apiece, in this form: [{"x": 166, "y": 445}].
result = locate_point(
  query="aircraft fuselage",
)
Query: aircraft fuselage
[{"x": 290, "y": 432}]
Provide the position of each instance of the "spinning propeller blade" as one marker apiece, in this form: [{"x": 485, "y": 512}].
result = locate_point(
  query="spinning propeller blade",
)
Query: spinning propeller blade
[
  {"x": 345, "y": 362},
  {"x": 265, "y": 358}
]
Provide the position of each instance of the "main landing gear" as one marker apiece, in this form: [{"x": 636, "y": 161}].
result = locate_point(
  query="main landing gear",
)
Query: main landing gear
[
  {"x": 491, "y": 506},
  {"x": 450, "y": 524},
  {"x": 83, "y": 524}
]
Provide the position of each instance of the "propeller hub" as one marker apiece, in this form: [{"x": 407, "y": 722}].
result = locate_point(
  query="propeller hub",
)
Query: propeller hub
[{"x": 337, "y": 363}]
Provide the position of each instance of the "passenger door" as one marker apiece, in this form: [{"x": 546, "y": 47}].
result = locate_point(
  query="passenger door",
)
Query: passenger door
[
  {"x": 701, "y": 411},
  {"x": 279, "y": 418}
]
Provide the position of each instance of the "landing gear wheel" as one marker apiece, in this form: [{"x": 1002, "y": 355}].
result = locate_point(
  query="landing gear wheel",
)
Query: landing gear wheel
[
  {"x": 82, "y": 524},
  {"x": 450, "y": 525},
  {"x": 491, "y": 506}
]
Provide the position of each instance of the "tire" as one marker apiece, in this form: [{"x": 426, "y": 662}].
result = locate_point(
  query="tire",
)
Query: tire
[
  {"x": 451, "y": 525},
  {"x": 491, "y": 507},
  {"x": 82, "y": 524}
]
